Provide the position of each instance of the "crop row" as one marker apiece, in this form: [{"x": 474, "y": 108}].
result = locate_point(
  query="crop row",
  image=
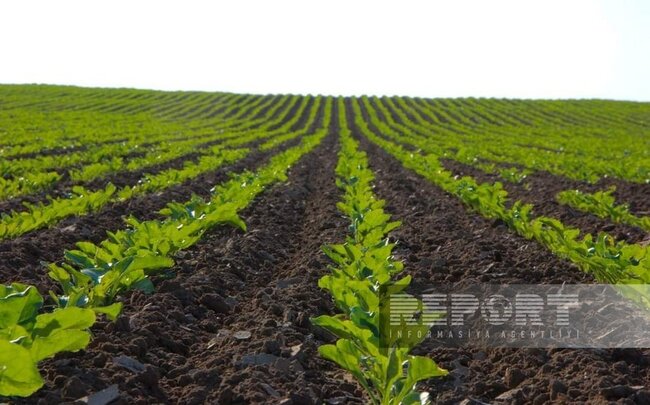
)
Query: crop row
[
  {"x": 498, "y": 135},
  {"x": 33, "y": 175},
  {"x": 362, "y": 279},
  {"x": 34, "y": 131},
  {"x": 507, "y": 137},
  {"x": 123, "y": 102},
  {"x": 118, "y": 141},
  {"x": 603, "y": 204}
]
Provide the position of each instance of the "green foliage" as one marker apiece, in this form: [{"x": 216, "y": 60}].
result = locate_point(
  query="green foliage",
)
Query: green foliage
[
  {"x": 211, "y": 158},
  {"x": 37, "y": 216},
  {"x": 361, "y": 280},
  {"x": 54, "y": 133},
  {"x": 82, "y": 201},
  {"x": 513, "y": 175},
  {"x": 96, "y": 170},
  {"x": 167, "y": 178},
  {"x": 28, "y": 183},
  {"x": 603, "y": 204},
  {"x": 27, "y": 337},
  {"x": 534, "y": 135}
]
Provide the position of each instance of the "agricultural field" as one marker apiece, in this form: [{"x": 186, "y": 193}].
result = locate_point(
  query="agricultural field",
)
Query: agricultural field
[{"x": 194, "y": 247}]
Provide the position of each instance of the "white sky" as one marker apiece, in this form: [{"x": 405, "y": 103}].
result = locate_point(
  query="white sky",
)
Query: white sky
[{"x": 453, "y": 48}]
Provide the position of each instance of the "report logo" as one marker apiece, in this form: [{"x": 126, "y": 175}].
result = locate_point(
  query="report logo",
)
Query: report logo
[{"x": 604, "y": 316}]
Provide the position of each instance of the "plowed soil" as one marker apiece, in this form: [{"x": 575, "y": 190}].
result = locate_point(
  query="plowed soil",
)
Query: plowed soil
[{"x": 233, "y": 326}]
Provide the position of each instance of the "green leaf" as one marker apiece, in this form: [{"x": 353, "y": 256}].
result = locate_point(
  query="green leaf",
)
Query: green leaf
[
  {"x": 346, "y": 355},
  {"x": 95, "y": 274},
  {"x": 90, "y": 249},
  {"x": 364, "y": 320},
  {"x": 64, "y": 318},
  {"x": 419, "y": 368},
  {"x": 64, "y": 329},
  {"x": 150, "y": 263},
  {"x": 19, "y": 375},
  {"x": 145, "y": 285},
  {"x": 79, "y": 258},
  {"x": 16, "y": 334},
  {"x": 18, "y": 304},
  {"x": 334, "y": 325},
  {"x": 111, "y": 311},
  {"x": 417, "y": 398},
  {"x": 397, "y": 286},
  {"x": 59, "y": 340}
]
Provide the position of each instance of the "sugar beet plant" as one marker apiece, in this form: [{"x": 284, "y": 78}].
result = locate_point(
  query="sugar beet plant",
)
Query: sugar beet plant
[
  {"x": 362, "y": 278},
  {"x": 603, "y": 204},
  {"x": 40, "y": 215},
  {"x": 27, "y": 337}
]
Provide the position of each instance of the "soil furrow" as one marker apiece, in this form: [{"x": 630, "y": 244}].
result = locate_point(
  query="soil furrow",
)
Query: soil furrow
[{"x": 272, "y": 274}]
